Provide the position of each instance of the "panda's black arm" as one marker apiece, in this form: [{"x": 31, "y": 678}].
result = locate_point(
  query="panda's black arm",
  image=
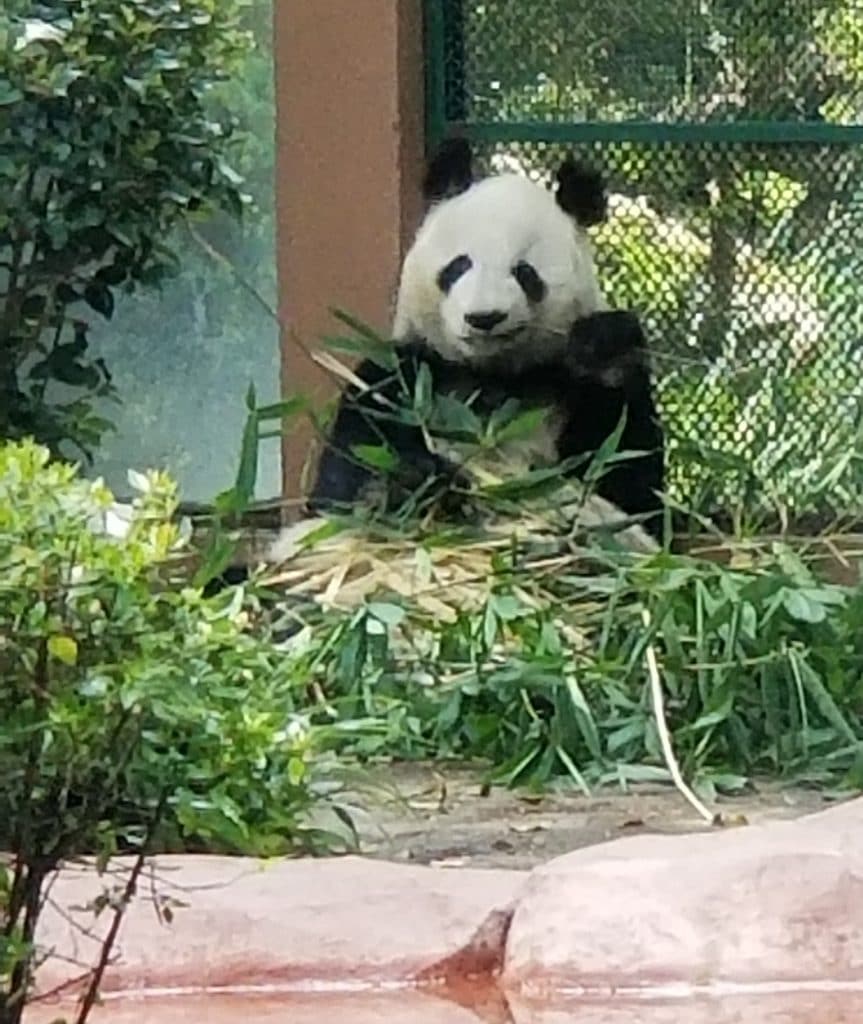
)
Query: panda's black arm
[
  {"x": 609, "y": 372},
  {"x": 372, "y": 418},
  {"x": 362, "y": 420}
]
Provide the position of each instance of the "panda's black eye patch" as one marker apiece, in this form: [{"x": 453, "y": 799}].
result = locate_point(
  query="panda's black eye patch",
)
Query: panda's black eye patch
[
  {"x": 529, "y": 281},
  {"x": 452, "y": 272}
]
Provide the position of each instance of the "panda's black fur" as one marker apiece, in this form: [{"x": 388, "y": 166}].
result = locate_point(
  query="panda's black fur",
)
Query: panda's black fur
[
  {"x": 600, "y": 371},
  {"x": 595, "y": 372},
  {"x": 607, "y": 375}
]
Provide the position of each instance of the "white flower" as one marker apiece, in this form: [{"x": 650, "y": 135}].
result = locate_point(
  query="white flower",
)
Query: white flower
[{"x": 36, "y": 31}]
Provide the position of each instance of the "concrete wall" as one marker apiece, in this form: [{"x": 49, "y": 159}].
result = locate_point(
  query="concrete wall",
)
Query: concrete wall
[{"x": 349, "y": 107}]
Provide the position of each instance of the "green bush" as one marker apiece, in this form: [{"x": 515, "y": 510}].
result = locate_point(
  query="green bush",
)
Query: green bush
[
  {"x": 134, "y": 709},
  {"x": 109, "y": 140}
]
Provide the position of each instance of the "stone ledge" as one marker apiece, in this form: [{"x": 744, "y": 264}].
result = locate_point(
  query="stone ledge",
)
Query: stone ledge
[
  {"x": 340, "y": 921},
  {"x": 775, "y": 902},
  {"x": 781, "y": 902}
]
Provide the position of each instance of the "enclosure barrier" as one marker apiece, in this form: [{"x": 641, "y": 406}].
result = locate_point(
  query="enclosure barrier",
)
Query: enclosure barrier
[{"x": 730, "y": 135}]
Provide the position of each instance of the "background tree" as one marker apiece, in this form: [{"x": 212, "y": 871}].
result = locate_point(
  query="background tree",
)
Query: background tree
[
  {"x": 182, "y": 356},
  {"x": 111, "y": 139}
]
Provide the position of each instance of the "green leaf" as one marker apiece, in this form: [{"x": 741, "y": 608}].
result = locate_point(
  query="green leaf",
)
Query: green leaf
[
  {"x": 389, "y": 614},
  {"x": 455, "y": 420},
  {"x": 423, "y": 399},
  {"x": 570, "y": 765},
  {"x": 377, "y": 456},
  {"x": 63, "y": 648},
  {"x": 521, "y": 426},
  {"x": 381, "y": 353},
  {"x": 9, "y": 94},
  {"x": 238, "y": 498},
  {"x": 535, "y": 483},
  {"x": 357, "y": 325},
  {"x": 505, "y": 606},
  {"x": 283, "y": 410},
  {"x": 802, "y": 607},
  {"x": 98, "y": 296},
  {"x": 136, "y": 85},
  {"x": 824, "y": 701},
  {"x": 584, "y": 717},
  {"x": 606, "y": 450},
  {"x": 490, "y": 626},
  {"x": 217, "y": 556}
]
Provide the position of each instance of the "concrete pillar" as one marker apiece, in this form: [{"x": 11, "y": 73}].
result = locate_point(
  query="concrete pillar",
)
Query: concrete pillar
[{"x": 350, "y": 139}]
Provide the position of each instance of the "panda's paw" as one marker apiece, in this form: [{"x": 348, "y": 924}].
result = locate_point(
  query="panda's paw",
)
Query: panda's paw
[{"x": 609, "y": 343}]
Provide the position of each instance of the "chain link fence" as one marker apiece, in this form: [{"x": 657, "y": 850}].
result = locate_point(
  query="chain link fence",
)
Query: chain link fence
[{"x": 730, "y": 134}]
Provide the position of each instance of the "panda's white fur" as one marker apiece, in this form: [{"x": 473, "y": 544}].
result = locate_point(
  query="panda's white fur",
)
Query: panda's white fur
[{"x": 497, "y": 222}]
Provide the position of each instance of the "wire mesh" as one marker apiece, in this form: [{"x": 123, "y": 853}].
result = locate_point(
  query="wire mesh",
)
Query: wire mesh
[{"x": 730, "y": 134}]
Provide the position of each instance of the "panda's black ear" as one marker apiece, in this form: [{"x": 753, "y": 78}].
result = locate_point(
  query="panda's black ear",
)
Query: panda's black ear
[
  {"x": 581, "y": 193},
  {"x": 450, "y": 170}
]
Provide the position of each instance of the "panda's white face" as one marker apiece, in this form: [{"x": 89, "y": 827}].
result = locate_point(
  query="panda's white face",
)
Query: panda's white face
[{"x": 499, "y": 270}]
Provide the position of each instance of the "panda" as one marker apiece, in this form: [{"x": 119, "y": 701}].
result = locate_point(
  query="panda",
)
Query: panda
[{"x": 498, "y": 301}]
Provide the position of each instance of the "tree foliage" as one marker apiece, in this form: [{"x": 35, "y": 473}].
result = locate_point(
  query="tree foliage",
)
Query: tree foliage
[
  {"x": 182, "y": 386},
  {"x": 109, "y": 141},
  {"x": 674, "y": 60}
]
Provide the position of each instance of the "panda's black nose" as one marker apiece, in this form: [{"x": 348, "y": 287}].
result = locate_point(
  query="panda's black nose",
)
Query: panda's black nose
[{"x": 485, "y": 321}]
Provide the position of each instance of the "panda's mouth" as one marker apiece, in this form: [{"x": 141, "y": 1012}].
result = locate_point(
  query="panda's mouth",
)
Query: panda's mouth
[{"x": 498, "y": 339}]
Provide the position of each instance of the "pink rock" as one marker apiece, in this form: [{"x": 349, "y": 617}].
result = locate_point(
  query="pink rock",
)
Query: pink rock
[
  {"x": 799, "y": 1008},
  {"x": 775, "y": 903},
  {"x": 358, "y": 1008},
  {"x": 781, "y": 902},
  {"x": 419, "y": 1008},
  {"x": 341, "y": 921}
]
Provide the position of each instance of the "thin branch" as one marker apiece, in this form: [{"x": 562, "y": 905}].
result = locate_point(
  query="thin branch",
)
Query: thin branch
[
  {"x": 662, "y": 728},
  {"x": 92, "y": 994}
]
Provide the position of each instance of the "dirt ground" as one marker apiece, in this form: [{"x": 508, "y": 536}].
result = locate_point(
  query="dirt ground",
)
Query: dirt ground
[{"x": 438, "y": 814}]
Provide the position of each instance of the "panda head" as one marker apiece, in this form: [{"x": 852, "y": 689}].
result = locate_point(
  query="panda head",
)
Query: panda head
[{"x": 500, "y": 267}]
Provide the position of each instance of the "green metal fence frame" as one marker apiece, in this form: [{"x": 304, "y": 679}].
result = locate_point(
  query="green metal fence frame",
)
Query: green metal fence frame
[
  {"x": 448, "y": 113},
  {"x": 444, "y": 20}
]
